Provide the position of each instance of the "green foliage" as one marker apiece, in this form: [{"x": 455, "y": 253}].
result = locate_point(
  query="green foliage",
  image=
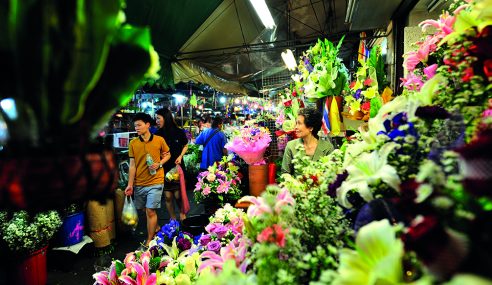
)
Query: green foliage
[{"x": 66, "y": 66}]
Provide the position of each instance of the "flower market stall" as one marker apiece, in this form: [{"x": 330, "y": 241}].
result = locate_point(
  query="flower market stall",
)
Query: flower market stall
[{"x": 404, "y": 201}]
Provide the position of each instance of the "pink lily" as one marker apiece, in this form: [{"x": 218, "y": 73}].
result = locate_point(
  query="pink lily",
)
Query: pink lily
[
  {"x": 259, "y": 206},
  {"x": 143, "y": 276},
  {"x": 216, "y": 262},
  {"x": 223, "y": 187},
  {"x": 444, "y": 25},
  {"x": 283, "y": 198},
  {"x": 412, "y": 82},
  {"x": 430, "y": 71},
  {"x": 107, "y": 278}
]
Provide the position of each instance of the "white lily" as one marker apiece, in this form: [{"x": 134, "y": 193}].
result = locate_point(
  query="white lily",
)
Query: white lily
[{"x": 368, "y": 169}]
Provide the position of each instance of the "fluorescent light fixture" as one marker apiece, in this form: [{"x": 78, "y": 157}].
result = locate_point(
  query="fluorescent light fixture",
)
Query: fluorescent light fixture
[
  {"x": 263, "y": 13},
  {"x": 8, "y": 106},
  {"x": 222, "y": 100},
  {"x": 289, "y": 59},
  {"x": 351, "y": 7}
]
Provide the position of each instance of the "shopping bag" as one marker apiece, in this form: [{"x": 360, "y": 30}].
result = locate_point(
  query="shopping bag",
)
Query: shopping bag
[
  {"x": 172, "y": 175},
  {"x": 185, "y": 204},
  {"x": 129, "y": 215}
]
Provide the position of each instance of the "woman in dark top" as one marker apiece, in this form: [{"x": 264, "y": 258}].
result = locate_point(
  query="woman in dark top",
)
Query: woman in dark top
[{"x": 178, "y": 145}]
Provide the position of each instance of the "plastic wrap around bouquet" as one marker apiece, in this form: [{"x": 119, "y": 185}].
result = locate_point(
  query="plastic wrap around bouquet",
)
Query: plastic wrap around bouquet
[{"x": 250, "y": 144}]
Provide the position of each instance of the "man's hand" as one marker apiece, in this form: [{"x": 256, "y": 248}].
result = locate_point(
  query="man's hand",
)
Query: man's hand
[
  {"x": 178, "y": 160},
  {"x": 129, "y": 190},
  {"x": 154, "y": 166}
]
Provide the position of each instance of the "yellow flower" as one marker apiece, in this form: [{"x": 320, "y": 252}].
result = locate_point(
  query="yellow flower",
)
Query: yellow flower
[
  {"x": 371, "y": 92},
  {"x": 189, "y": 266},
  {"x": 163, "y": 279},
  {"x": 183, "y": 279}
]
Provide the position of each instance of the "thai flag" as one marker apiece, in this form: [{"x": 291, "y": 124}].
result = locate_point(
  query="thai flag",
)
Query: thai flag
[{"x": 326, "y": 117}]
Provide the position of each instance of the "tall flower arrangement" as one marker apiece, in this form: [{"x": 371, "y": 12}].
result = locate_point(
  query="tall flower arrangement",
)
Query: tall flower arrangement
[
  {"x": 220, "y": 181},
  {"x": 366, "y": 92},
  {"x": 250, "y": 143},
  {"x": 322, "y": 72}
]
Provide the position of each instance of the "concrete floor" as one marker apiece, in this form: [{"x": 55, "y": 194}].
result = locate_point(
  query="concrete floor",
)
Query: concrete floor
[{"x": 65, "y": 268}]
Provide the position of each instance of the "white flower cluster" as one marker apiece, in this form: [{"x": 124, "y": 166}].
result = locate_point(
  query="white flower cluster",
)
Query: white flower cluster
[
  {"x": 225, "y": 214},
  {"x": 23, "y": 234}
]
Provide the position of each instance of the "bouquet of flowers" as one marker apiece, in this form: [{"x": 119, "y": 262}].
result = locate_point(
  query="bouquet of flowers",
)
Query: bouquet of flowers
[
  {"x": 172, "y": 175},
  {"x": 225, "y": 226},
  {"x": 220, "y": 180},
  {"x": 250, "y": 144},
  {"x": 23, "y": 234},
  {"x": 322, "y": 72},
  {"x": 364, "y": 95}
]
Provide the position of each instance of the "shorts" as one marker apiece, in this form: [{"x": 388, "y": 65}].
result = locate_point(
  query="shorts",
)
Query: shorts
[{"x": 148, "y": 196}]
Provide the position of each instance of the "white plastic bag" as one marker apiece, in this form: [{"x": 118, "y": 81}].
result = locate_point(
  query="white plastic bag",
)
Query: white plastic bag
[
  {"x": 172, "y": 175},
  {"x": 129, "y": 215}
]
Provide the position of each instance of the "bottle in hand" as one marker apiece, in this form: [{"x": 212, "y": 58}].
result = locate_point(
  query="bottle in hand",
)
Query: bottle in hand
[{"x": 150, "y": 161}]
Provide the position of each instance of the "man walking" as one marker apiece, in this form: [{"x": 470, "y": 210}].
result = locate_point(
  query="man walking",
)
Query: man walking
[
  {"x": 147, "y": 154},
  {"x": 213, "y": 141}
]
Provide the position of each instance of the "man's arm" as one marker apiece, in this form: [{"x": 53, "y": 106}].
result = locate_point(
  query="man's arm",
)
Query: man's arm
[{"x": 131, "y": 177}]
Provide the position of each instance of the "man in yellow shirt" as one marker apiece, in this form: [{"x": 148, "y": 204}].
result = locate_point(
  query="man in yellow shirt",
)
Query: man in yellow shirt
[{"x": 146, "y": 178}]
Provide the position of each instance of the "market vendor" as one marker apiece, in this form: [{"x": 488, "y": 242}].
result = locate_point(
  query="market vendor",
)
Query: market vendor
[{"x": 308, "y": 124}]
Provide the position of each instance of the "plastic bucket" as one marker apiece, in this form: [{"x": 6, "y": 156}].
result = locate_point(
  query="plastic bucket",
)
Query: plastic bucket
[
  {"x": 30, "y": 270},
  {"x": 195, "y": 225},
  {"x": 72, "y": 230},
  {"x": 258, "y": 179}
]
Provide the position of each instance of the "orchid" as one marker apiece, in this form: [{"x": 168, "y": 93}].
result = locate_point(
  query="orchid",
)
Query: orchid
[
  {"x": 376, "y": 260},
  {"x": 369, "y": 169}
]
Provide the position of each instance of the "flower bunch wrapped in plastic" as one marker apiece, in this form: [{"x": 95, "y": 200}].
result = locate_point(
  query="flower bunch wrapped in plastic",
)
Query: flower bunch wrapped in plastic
[
  {"x": 220, "y": 180},
  {"x": 250, "y": 144}
]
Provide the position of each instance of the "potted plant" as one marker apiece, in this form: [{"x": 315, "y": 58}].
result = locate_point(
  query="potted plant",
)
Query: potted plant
[{"x": 27, "y": 239}]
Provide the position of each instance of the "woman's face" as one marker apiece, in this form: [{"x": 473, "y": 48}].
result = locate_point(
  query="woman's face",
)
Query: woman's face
[
  {"x": 301, "y": 130},
  {"x": 160, "y": 121}
]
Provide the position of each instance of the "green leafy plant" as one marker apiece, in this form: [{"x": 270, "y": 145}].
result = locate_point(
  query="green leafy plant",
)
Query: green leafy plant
[
  {"x": 66, "y": 68},
  {"x": 23, "y": 234}
]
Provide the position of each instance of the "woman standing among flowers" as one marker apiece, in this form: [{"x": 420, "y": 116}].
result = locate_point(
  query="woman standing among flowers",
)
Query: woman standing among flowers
[
  {"x": 308, "y": 124},
  {"x": 175, "y": 138}
]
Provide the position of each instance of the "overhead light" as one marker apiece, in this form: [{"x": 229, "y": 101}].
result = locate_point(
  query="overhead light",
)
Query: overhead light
[
  {"x": 179, "y": 98},
  {"x": 433, "y": 5},
  {"x": 9, "y": 108},
  {"x": 263, "y": 13},
  {"x": 222, "y": 100},
  {"x": 289, "y": 59},
  {"x": 351, "y": 7},
  {"x": 237, "y": 101}
]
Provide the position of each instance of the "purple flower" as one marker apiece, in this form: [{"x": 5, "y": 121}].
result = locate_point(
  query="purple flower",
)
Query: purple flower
[
  {"x": 220, "y": 231},
  {"x": 332, "y": 188},
  {"x": 205, "y": 239},
  {"x": 357, "y": 94},
  {"x": 154, "y": 251},
  {"x": 308, "y": 64},
  {"x": 184, "y": 244},
  {"x": 214, "y": 246}
]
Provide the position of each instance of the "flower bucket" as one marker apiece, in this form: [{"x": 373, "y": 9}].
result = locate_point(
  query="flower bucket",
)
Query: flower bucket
[
  {"x": 72, "y": 230},
  {"x": 258, "y": 179},
  {"x": 195, "y": 225},
  {"x": 30, "y": 269}
]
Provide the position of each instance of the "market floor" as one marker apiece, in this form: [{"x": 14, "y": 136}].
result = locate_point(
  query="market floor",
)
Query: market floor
[{"x": 69, "y": 268}]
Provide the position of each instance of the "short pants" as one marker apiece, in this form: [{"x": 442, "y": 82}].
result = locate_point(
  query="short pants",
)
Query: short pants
[{"x": 148, "y": 196}]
